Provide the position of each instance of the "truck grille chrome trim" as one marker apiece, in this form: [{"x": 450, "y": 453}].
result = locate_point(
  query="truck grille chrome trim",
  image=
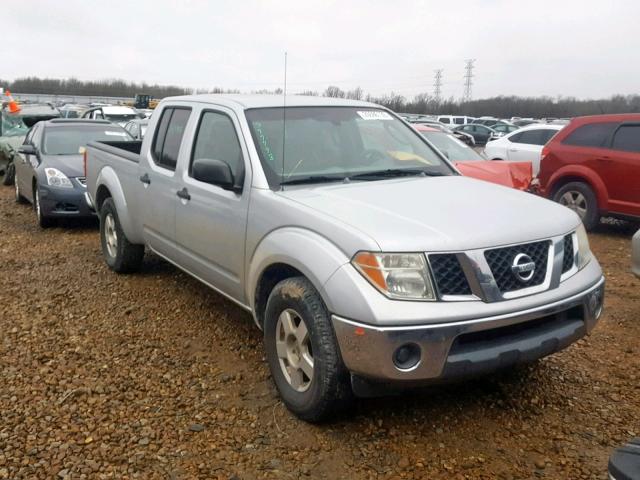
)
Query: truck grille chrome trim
[{"x": 503, "y": 273}]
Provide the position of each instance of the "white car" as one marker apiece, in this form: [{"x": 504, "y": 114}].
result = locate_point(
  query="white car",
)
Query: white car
[
  {"x": 523, "y": 145},
  {"x": 452, "y": 121}
]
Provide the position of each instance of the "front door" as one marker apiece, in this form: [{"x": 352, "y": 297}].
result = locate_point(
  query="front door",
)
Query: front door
[
  {"x": 211, "y": 221},
  {"x": 157, "y": 199}
]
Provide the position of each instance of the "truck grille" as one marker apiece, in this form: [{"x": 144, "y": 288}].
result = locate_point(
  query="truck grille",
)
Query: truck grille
[
  {"x": 448, "y": 274},
  {"x": 567, "y": 260},
  {"x": 500, "y": 261}
]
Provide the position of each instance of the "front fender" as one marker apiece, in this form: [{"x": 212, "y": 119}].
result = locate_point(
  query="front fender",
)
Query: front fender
[
  {"x": 587, "y": 175},
  {"x": 109, "y": 179},
  {"x": 310, "y": 253}
]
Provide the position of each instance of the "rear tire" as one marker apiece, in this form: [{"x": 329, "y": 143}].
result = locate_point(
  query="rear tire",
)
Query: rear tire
[
  {"x": 579, "y": 197},
  {"x": 120, "y": 255},
  {"x": 309, "y": 338}
]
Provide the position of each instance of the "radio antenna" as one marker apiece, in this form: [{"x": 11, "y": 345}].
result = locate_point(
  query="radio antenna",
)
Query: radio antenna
[{"x": 284, "y": 116}]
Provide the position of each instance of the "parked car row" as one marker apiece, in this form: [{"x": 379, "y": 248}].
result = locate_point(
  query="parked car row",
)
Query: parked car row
[{"x": 365, "y": 257}]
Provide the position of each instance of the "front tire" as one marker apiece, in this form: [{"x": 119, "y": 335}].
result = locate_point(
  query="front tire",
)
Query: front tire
[
  {"x": 303, "y": 353},
  {"x": 43, "y": 220},
  {"x": 120, "y": 255},
  {"x": 19, "y": 197},
  {"x": 9, "y": 174},
  {"x": 579, "y": 197}
]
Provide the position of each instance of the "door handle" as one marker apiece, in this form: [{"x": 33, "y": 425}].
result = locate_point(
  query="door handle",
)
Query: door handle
[
  {"x": 513, "y": 149},
  {"x": 604, "y": 159},
  {"x": 183, "y": 194},
  {"x": 145, "y": 179}
]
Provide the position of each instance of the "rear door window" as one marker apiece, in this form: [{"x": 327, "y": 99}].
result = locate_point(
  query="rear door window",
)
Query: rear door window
[
  {"x": 627, "y": 138},
  {"x": 531, "y": 137},
  {"x": 166, "y": 144},
  {"x": 591, "y": 135}
]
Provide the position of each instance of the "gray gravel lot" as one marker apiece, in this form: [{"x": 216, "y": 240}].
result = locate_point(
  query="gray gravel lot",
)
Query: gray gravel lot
[{"x": 152, "y": 375}]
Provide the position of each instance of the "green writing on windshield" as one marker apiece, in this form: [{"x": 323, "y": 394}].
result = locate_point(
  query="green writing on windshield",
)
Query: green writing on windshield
[{"x": 264, "y": 143}]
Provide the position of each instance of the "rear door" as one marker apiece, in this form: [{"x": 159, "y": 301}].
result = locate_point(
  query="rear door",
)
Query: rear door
[
  {"x": 210, "y": 220},
  {"x": 157, "y": 199},
  {"x": 621, "y": 171},
  {"x": 526, "y": 146}
]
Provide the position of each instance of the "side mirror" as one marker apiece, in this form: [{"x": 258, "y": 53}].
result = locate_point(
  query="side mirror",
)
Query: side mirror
[
  {"x": 27, "y": 149},
  {"x": 214, "y": 172}
]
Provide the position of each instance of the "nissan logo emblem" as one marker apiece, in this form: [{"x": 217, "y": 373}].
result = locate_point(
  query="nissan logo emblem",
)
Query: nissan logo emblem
[{"x": 523, "y": 267}]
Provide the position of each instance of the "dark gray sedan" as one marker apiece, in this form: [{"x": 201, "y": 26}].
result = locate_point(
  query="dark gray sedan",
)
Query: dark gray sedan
[{"x": 50, "y": 170}]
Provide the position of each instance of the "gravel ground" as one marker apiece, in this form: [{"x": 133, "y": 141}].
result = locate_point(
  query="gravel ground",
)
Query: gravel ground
[{"x": 154, "y": 376}]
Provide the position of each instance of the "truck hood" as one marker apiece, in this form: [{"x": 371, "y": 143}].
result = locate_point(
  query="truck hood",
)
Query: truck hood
[{"x": 438, "y": 213}]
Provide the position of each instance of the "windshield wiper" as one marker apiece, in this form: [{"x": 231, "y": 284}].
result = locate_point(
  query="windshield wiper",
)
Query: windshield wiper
[
  {"x": 393, "y": 172},
  {"x": 312, "y": 179}
]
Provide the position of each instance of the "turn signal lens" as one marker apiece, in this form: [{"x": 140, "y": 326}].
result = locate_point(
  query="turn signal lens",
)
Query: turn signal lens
[
  {"x": 584, "y": 251},
  {"x": 402, "y": 276}
]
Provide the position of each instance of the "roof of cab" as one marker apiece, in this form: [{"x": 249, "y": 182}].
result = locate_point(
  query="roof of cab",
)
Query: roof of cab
[{"x": 266, "y": 101}]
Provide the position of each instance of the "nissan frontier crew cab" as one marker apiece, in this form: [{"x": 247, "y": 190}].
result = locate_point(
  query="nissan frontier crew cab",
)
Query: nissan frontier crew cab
[{"x": 367, "y": 260}]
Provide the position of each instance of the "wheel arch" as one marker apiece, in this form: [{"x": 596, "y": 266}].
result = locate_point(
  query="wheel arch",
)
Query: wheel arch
[
  {"x": 108, "y": 186},
  {"x": 583, "y": 175},
  {"x": 286, "y": 253}
]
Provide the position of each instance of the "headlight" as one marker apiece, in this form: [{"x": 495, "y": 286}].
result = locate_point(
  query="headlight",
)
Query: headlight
[
  {"x": 403, "y": 276},
  {"x": 56, "y": 178},
  {"x": 584, "y": 252}
]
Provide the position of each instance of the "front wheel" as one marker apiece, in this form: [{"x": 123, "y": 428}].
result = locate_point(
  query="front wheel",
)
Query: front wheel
[
  {"x": 303, "y": 353},
  {"x": 121, "y": 255},
  {"x": 9, "y": 174},
  {"x": 579, "y": 197},
  {"x": 43, "y": 220},
  {"x": 19, "y": 197}
]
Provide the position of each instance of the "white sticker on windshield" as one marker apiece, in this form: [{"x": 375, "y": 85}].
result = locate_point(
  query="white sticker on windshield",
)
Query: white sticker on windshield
[
  {"x": 117, "y": 134},
  {"x": 374, "y": 115}
]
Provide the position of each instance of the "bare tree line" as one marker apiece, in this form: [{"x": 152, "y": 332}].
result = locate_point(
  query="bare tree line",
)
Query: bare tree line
[{"x": 501, "y": 106}]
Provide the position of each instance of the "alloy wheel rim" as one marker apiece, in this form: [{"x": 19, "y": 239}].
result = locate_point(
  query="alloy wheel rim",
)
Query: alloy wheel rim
[
  {"x": 293, "y": 347},
  {"x": 111, "y": 236},
  {"x": 575, "y": 201},
  {"x": 38, "y": 209}
]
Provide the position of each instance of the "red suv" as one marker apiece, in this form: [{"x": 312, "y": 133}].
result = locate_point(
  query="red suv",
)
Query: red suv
[{"x": 593, "y": 167}]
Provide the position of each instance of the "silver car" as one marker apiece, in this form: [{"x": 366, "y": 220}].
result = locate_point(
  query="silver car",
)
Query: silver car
[{"x": 365, "y": 257}]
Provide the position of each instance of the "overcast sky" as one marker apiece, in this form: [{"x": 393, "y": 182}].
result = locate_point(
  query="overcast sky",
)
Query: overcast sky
[{"x": 574, "y": 48}]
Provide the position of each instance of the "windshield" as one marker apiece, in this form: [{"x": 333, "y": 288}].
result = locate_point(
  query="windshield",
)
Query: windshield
[
  {"x": 329, "y": 143},
  {"x": 13, "y": 126},
  {"x": 70, "y": 140},
  {"x": 451, "y": 147}
]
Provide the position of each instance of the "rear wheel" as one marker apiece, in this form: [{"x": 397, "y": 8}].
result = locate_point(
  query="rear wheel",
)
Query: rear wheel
[
  {"x": 121, "y": 255},
  {"x": 303, "y": 353},
  {"x": 43, "y": 220},
  {"x": 579, "y": 197}
]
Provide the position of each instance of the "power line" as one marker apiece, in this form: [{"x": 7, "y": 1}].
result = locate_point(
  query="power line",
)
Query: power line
[
  {"x": 468, "y": 76},
  {"x": 437, "y": 85}
]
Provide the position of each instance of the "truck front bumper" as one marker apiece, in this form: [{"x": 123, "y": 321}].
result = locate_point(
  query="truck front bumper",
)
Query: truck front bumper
[{"x": 438, "y": 351}]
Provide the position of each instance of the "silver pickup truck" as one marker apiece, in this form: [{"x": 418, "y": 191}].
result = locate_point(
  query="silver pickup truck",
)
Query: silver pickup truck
[{"x": 367, "y": 260}]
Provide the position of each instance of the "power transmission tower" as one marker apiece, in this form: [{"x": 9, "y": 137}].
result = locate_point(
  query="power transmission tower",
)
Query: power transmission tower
[
  {"x": 437, "y": 85},
  {"x": 468, "y": 79}
]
